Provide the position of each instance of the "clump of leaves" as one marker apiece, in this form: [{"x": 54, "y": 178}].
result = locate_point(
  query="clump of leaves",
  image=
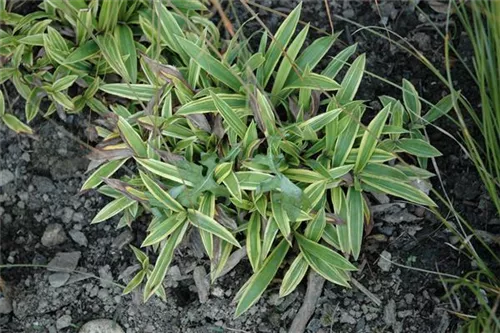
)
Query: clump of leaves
[{"x": 255, "y": 149}]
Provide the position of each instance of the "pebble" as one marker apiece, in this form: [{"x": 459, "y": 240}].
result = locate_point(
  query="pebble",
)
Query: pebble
[
  {"x": 43, "y": 184},
  {"x": 106, "y": 276},
  {"x": 6, "y": 176},
  {"x": 67, "y": 214},
  {"x": 101, "y": 326},
  {"x": 345, "y": 318},
  {"x": 5, "y": 305},
  {"x": 78, "y": 237},
  {"x": 123, "y": 239},
  {"x": 202, "y": 283},
  {"x": 385, "y": 265},
  {"x": 390, "y": 312},
  {"x": 53, "y": 235},
  {"x": 64, "y": 261},
  {"x": 58, "y": 279},
  {"x": 63, "y": 322}
]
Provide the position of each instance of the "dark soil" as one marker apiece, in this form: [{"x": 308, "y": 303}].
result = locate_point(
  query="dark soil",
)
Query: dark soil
[{"x": 47, "y": 174}]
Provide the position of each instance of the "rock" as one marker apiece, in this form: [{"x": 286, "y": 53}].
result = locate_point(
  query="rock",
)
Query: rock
[
  {"x": 64, "y": 262},
  {"x": 67, "y": 214},
  {"x": 58, "y": 279},
  {"x": 5, "y": 305},
  {"x": 43, "y": 184},
  {"x": 385, "y": 265},
  {"x": 63, "y": 322},
  {"x": 78, "y": 237},
  {"x": 390, "y": 312},
  {"x": 53, "y": 235},
  {"x": 106, "y": 276},
  {"x": 101, "y": 326},
  {"x": 202, "y": 283},
  {"x": 6, "y": 177},
  {"x": 346, "y": 318},
  {"x": 349, "y": 13},
  {"x": 123, "y": 239}
]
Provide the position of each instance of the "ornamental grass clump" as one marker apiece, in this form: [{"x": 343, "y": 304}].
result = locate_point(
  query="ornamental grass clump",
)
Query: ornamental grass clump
[{"x": 259, "y": 150}]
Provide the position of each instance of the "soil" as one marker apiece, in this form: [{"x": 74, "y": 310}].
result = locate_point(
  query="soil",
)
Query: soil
[{"x": 43, "y": 189}]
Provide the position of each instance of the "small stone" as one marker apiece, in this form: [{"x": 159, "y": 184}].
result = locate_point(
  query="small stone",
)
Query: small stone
[
  {"x": 106, "y": 276},
  {"x": 101, "y": 326},
  {"x": 348, "y": 13},
  {"x": 63, "y": 322},
  {"x": 218, "y": 292},
  {"x": 53, "y": 235},
  {"x": 123, "y": 239},
  {"x": 409, "y": 298},
  {"x": 43, "y": 184},
  {"x": 202, "y": 283},
  {"x": 64, "y": 262},
  {"x": 78, "y": 237},
  {"x": 78, "y": 217},
  {"x": 58, "y": 279},
  {"x": 6, "y": 176},
  {"x": 385, "y": 265},
  {"x": 345, "y": 318},
  {"x": 67, "y": 214},
  {"x": 390, "y": 312},
  {"x": 26, "y": 157},
  {"x": 454, "y": 239},
  {"x": 5, "y": 305}
]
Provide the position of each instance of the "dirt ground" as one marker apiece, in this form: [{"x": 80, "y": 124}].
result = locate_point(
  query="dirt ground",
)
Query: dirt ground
[{"x": 39, "y": 194}]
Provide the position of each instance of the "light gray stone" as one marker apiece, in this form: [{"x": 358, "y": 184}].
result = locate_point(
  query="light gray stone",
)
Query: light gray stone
[
  {"x": 58, "y": 279},
  {"x": 78, "y": 237},
  {"x": 101, "y": 326},
  {"x": 6, "y": 176},
  {"x": 53, "y": 235},
  {"x": 64, "y": 262},
  {"x": 384, "y": 262},
  {"x": 63, "y": 322}
]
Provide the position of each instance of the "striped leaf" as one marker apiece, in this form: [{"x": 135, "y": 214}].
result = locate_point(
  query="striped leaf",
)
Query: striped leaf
[
  {"x": 294, "y": 275},
  {"x": 231, "y": 117},
  {"x": 131, "y": 137},
  {"x": 254, "y": 243},
  {"x": 164, "y": 229},
  {"x": 351, "y": 81},
  {"x": 162, "y": 196},
  {"x": 135, "y": 92},
  {"x": 113, "y": 208},
  {"x": 164, "y": 170},
  {"x": 207, "y": 223},
  {"x": 104, "y": 171},
  {"x": 258, "y": 283},
  {"x": 355, "y": 220}
]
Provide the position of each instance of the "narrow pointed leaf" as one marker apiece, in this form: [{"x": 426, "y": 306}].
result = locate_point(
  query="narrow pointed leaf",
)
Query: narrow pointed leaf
[
  {"x": 162, "y": 196},
  {"x": 112, "y": 208},
  {"x": 207, "y": 223}
]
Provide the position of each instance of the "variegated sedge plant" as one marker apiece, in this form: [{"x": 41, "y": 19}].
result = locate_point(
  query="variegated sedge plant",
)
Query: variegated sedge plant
[{"x": 254, "y": 150}]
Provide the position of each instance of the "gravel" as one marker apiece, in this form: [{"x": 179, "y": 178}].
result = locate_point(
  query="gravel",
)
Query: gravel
[
  {"x": 6, "y": 176},
  {"x": 64, "y": 261},
  {"x": 58, "y": 279},
  {"x": 385, "y": 265},
  {"x": 101, "y": 326},
  {"x": 53, "y": 235},
  {"x": 78, "y": 237},
  {"x": 63, "y": 322}
]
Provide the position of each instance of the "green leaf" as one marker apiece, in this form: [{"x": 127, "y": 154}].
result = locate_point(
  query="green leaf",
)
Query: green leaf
[
  {"x": 339, "y": 61},
  {"x": 162, "y": 196},
  {"x": 270, "y": 232},
  {"x": 164, "y": 170},
  {"x": 164, "y": 229},
  {"x": 108, "y": 15},
  {"x": 126, "y": 46},
  {"x": 258, "y": 283},
  {"x": 330, "y": 235},
  {"x": 411, "y": 100},
  {"x": 370, "y": 139},
  {"x": 323, "y": 253},
  {"x": 131, "y": 137},
  {"x": 318, "y": 122},
  {"x": 15, "y": 124},
  {"x": 418, "y": 147},
  {"x": 251, "y": 180},
  {"x": 64, "y": 82},
  {"x": 164, "y": 259},
  {"x": 264, "y": 115},
  {"x": 109, "y": 48},
  {"x": 440, "y": 109},
  {"x": 280, "y": 216},
  {"x": 2, "y": 104},
  {"x": 355, "y": 220},
  {"x": 340, "y": 171},
  {"x": 104, "y": 171},
  {"x": 207, "y": 104},
  {"x": 398, "y": 189},
  {"x": 83, "y": 52},
  {"x": 278, "y": 45},
  {"x": 313, "y": 81},
  {"x": 33, "y": 103},
  {"x": 287, "y": 61},
  {"x": 304, "y": 175},
  {"x": 170, "y": 30},
  {"x": 384, "y": 171},
  {"x": 233, "y": 186},
  {"x": 211, "y": 65},
  {"x": 294, "y": 275},
  {"x": 207, "y": 223},
  {"x": 314, "y": 229},
  {"x": 253, "y": 243},
  {"x": 35, "y": 40},
  {"x": 229, "y": 116},
  {"x": 135, "y": 92},
  {"x": 135, "y": 282},
  {"x": 346, "y": 139},
  {"x": 112, "y": 208},
  {"x": 351, "y": 81}
]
